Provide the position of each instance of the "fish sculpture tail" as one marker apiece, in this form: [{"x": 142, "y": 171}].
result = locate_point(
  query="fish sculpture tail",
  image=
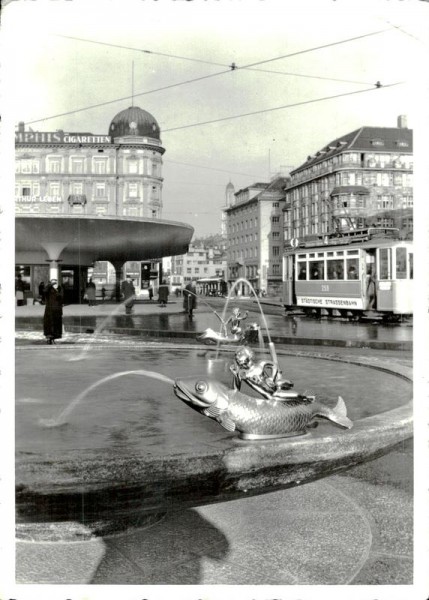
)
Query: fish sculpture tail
[{"x": 337, "y": 414}]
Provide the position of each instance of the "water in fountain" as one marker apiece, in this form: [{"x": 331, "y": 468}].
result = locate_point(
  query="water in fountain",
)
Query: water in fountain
[
  {"x": 62, "y": 417},
  {"x": 97, "y": 331},
  {"x": 260, "y": 336}
]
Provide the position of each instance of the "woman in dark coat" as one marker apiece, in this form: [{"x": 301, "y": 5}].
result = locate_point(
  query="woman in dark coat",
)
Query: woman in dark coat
[
  {"x": 163, "y": 292},
  {"x": 53, "y": 317},
  {"x": 190, "y": 298}
]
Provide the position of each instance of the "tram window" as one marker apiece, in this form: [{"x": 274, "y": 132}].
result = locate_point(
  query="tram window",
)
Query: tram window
[
  {"x": 335, "y": 269},
  {"x": 385, "y": 263},
  {"x": 410, "y": 262},
  {"x": 401, "y": 263},
  {"x": 352, "y": 268},
  {"x": 340, "y": 253},
  {"x": 317, "y": 269},
  {"x": 302, "y": 270}
]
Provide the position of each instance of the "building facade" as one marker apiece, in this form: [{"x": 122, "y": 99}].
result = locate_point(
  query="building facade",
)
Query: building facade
[
  {"x": 70, "y": 176},
  {"x": 360, "y": 179},
  {"x": 254, "y": 230},
  {"x": 200, "y": 262}
]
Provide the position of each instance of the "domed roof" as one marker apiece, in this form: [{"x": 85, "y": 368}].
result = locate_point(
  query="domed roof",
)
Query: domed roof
[
  {"x": 230, "y": 186},
  {"x": 134, "y": 121}
]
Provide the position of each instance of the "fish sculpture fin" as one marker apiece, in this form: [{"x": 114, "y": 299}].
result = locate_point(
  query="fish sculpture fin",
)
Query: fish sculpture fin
[
  {"x": 226, "y": 423},
  {"x": 339, "y": 414},
  {"x": 213, "y": 411}
]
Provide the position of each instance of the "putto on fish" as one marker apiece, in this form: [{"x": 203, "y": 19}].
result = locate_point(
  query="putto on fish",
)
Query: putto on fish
[{"x": 256, "y": 418}]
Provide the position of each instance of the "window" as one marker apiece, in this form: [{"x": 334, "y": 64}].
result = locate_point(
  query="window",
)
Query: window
[
  {"x": 26, "y": 166},
  {"x": 352, "y": 268},
  {"x": 335, "y": 269},
  {"x": 77, "y": 165},
  {"x": 401, "y": 263},
  {"x": 276, "y": 250},
  {"x": 100, "y": 190},
  {"x": 276, "y": 269},
  {"x": 100, "y": 166},
  {"x": 276, "y": 234},
  {"x": 54, "y": 165},
  {"x": 275, "y": 219},
  {"x": 132, "y": 166},
  {"x": 77, "y": 187},
  {"x": 54, "y": 188},
  {"x": 316, "y": 269},
  {"x": 275, "y": 205},
  {"x": 385, "y": 263},
  {"x": 132, "y": 190}
]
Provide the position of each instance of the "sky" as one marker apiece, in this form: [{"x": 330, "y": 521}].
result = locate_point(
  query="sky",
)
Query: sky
[{"x": 67, "y": 56}]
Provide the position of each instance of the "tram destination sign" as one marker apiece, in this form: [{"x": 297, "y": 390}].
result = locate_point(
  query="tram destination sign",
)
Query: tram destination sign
[
  {"x": 319, "y": 302},
  {"x": 59, "y": 137}
]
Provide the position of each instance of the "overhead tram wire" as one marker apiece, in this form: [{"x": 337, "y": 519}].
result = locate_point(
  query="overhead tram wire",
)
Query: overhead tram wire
[
  {"x": 258, "y": 112},
  {"x": 228, "y": 70}
]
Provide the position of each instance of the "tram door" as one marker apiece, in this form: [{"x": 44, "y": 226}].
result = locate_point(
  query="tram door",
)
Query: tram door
[{"x": 289, "y": 297}]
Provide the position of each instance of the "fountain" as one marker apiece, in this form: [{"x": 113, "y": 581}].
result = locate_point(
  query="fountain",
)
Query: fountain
[{"x": 129, "y": 453}]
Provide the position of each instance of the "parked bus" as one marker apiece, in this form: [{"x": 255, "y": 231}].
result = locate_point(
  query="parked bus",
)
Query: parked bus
[
  {"x": 366, "y": 272},
  {"x": 212, "y": 286}
]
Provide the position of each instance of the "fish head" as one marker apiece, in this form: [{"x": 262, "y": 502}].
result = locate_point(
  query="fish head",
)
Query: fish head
[{"x": 203, "y": 394}]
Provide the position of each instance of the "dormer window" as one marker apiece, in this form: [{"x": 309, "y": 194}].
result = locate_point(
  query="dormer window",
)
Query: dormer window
[
  {"x": 402, "y": 143},
  {"x": 377, "y": 142}
]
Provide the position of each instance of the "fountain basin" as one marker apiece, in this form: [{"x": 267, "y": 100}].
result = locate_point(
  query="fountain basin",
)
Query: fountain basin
[{"x": 96, "y": 475}]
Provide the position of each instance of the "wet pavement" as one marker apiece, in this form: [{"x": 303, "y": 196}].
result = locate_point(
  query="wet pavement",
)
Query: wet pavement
[{"x": 151, "y": 317}]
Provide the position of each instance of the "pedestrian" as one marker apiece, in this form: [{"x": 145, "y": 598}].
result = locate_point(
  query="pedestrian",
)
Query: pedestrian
[
  {"x": 19, "y": 291},
  {"x": 103, "y": 293},
  {"x": 42, "y": 292},
  {"x": 190, "y": 298},
  {"x": 53, "y": 317},
  {"x": 370, "y": 290},
  {"x": 91, "y": 292},
  {"x": 163, "y": 292},
  {"x": 150, "y": 293},
  {"x": 128, "y": 291}
]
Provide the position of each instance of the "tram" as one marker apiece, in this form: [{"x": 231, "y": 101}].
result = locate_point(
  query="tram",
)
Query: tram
[{"x": 360, "y": 273}]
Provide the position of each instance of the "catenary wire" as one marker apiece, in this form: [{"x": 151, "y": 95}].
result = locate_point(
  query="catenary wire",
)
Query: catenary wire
[
  {"x": 205, "y": 76},
  {"x": 223, "y": 64},
  {"x": 266, "y": 110}
]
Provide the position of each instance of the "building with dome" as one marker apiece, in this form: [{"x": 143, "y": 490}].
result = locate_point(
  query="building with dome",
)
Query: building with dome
[{"x": 85, "y": 199}]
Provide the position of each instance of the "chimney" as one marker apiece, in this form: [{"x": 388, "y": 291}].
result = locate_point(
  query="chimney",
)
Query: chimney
[
  {"x": 402, "y": 122},
  {"x": 21, "y": 127}
]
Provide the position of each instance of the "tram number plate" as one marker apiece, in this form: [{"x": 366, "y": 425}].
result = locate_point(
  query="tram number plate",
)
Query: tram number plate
[{"x": 325, "y": 288}]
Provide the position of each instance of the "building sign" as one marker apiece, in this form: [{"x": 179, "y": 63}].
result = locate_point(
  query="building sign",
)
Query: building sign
[
  {"x": 29, "y": 199},
  {"x": 356, "y": 303},
  {"x": 59, "y": 137}
]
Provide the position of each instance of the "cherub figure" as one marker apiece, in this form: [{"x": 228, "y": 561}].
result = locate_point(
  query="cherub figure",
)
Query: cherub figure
[
  {"x": 264, "y": 376},
  {"x": 234, "y": 319}
]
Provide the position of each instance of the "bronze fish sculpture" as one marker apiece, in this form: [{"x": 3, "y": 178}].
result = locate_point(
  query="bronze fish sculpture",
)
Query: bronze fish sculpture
[
  {"x": 255, "y": 418},
  {"x": 209, "y": 336}
]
